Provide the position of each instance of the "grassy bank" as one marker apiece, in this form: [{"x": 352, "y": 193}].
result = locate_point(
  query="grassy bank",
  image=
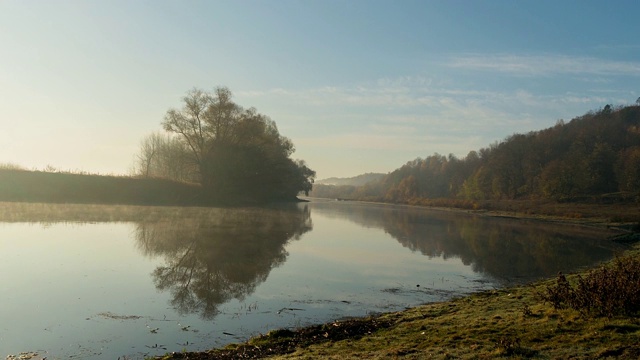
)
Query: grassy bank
[
  {"x": 517, "y": 323},
  {"x": 18, "y": 185},
  {"x": 48, "y": 187}
]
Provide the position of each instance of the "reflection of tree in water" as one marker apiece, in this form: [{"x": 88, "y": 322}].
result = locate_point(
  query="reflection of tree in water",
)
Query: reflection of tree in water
[
  {"x": 215, "y": 255},
  {"x": 503, "y": 248}
]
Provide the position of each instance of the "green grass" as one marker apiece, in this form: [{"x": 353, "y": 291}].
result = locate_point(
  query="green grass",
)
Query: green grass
[{"x": 511, "y": 323}]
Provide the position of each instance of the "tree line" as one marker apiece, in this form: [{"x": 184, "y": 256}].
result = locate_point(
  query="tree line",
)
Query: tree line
[
  {"x": 235, "y": 154},
  {"x": 594, "y": 155}
]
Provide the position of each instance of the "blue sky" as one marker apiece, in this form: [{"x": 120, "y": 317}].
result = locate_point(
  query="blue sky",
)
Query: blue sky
[{"x": 359, "y": 86}]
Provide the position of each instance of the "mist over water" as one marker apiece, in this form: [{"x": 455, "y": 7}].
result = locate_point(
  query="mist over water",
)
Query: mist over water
[{"x": 168, "y": 279}]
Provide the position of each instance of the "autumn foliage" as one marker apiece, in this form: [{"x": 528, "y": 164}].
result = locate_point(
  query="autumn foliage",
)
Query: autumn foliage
[{"x": 592, "y": 157}]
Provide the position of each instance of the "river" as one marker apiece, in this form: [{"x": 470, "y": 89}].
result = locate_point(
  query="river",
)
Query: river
[{"x": 156, "y": 280}]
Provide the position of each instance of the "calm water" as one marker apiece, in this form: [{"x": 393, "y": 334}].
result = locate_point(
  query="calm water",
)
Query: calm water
[{"x": 202, "y": 278}]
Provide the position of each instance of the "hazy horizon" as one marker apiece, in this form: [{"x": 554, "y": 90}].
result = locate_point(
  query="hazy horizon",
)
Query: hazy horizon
[{"x": 359, "y": 86}]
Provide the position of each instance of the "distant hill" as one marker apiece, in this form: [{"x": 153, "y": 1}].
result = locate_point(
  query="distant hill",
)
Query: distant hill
[{"x": 352, "y": 181}]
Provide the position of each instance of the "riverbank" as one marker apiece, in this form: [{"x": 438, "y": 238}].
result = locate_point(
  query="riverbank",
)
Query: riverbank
[
  {"x": 514, "y": 322},
  {"x": 72, "y": 188},
  {"x": 77, "y": 188}
]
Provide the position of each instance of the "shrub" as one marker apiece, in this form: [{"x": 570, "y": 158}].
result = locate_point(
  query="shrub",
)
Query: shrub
[{"x": 606, "y": 291}]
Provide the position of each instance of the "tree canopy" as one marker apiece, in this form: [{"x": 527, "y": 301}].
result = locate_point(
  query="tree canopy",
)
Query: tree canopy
[{"x": 236, "y": 154}]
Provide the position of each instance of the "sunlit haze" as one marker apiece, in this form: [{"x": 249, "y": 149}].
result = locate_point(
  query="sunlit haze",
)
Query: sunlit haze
[{"x": 358, "y": 86}]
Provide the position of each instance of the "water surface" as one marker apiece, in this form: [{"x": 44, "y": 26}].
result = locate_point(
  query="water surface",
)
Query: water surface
[{"x": 136, "y": 282}]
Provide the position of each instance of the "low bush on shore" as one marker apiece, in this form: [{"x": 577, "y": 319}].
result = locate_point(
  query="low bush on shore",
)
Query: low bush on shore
[{"x": 606, "y": 291}]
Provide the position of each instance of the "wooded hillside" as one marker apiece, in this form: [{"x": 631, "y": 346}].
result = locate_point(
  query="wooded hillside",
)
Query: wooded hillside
[{"x": 596, "y": 155}]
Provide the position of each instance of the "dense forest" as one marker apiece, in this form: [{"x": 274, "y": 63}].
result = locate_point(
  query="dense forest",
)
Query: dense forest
[{"x": 594, "y": 156}]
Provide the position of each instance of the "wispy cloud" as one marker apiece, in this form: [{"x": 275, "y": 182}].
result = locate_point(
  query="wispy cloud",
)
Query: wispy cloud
[
  {"x": 419, "y": 143},
  {"x": 393, "y": 120},
  {"x": 421, "y": 114},
  {"x": 422, "y": 95},
  {"x": 547, "y": 65}
]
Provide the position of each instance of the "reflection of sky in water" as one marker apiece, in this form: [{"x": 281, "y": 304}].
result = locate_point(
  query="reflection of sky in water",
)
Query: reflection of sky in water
[
  {"x": 65, "y": 287},
  {"x": 340, "y": 261},
  {"x": 55, "y": 280}
]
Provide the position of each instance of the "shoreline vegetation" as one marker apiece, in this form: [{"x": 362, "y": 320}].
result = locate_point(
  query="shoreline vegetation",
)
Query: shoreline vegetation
[
  {"x": 60, "y": 187},
  {"x": 25, "y": 186}
]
